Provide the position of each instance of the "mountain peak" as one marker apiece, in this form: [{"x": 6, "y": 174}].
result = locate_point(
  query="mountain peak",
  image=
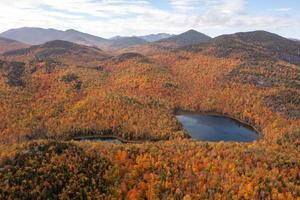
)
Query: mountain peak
[
  {"x": 72, "y": 31},
  {"x": 192, "y": 31},
  {"x": 189, "y": 37},
  {"x": 58, "y": 44}
]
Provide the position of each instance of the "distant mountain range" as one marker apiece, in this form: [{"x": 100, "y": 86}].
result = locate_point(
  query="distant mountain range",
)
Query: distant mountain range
[
  {"x": 156, "y": 37},
  {"x": 36, "y": 36},
  {"x": 148, "y": 38},
  {"x": 255, "y": 45},
  {"x": 123, "y": 42},
  {"x": 233, "y": 44}
]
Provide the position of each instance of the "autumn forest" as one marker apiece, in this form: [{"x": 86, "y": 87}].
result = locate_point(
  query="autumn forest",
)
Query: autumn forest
[{"x": 53, "y": 92}]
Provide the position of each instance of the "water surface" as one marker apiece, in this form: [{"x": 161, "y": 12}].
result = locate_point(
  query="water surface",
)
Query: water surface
[
  {"x": 99, "y": 139},
  {"x": 216, "y": 128}
]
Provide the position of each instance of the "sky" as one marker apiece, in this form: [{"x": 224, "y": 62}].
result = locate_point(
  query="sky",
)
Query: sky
[{"x": 107, "y": 18}]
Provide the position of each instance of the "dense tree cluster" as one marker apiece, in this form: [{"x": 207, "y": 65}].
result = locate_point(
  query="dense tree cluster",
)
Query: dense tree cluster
[
  {"x": 137, "y": 99},
  {"x": 55, "y": 171},
  {"x": 61, "y": 90},
  {"x": 178, "y": 169}
]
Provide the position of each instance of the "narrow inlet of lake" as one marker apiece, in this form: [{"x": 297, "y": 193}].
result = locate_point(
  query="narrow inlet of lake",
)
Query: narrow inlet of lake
[
  {"x": 216, "y": 128},
  {"x": 99, "y": 139}
]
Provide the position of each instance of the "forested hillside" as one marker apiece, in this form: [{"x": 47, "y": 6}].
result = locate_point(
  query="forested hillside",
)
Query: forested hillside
[{"x": 52, "y": 92}]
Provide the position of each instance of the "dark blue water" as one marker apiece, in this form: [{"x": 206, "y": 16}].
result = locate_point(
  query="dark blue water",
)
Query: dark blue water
[{"x": 216, "y": 128}]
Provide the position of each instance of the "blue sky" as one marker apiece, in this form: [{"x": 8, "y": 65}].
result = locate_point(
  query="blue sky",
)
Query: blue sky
[{"x": 108, "y": 18}]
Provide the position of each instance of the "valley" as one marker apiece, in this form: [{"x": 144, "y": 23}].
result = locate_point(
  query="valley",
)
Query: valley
[{"x": 131, "y": 90}]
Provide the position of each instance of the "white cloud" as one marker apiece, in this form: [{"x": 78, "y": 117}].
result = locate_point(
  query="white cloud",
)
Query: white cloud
[
  {"x": 232, "y": 6},
  {"x": 282, "y": 9},
  {"x": 185, "y": 5},
  {"x": 135, "y": 17}
]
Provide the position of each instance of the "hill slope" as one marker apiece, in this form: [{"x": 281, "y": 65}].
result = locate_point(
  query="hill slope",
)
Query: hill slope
[
  {"x": 154, "y": 85},
  {"x": 266, "y": 60},
  {"x": 190, "y": 37},
  {"x": 256, "y": 45},
  {"x": 9, "y": 45},
  {"x": 264, "y": 43},
  {"x": 56, "y": 49}
]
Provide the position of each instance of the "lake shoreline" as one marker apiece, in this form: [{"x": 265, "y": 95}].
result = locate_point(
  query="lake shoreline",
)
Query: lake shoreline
[
  {"x": 113, "y": 137},
  {"x": 218, "y": 114},
  {"x": 95, "y": 137}
]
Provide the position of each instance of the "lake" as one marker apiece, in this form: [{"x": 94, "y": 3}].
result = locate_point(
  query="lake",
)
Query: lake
[
  {"x": 99, "y": 139},
  {"x": 216, "y": 128}
]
